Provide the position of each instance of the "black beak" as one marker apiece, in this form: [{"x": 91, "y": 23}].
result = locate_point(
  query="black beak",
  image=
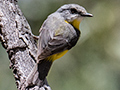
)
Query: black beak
[{"x": 86, "y": 15}]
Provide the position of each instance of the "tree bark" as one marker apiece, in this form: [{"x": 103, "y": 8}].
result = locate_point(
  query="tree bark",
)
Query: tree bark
[{"x": 16, "y": 37}]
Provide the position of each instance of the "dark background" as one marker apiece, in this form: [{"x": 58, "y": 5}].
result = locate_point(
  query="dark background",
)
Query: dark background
[{"x": 94, "y": 63}]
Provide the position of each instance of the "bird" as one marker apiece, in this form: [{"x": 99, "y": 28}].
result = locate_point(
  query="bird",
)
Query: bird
[{"x": 58, "y": 34}]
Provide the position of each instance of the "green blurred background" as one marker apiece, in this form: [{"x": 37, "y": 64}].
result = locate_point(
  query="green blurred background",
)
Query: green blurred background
[{"x": 94, "y": 63}]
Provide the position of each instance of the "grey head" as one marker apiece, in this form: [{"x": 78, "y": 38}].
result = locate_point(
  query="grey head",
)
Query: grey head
[{"x": 71, "y": 12}]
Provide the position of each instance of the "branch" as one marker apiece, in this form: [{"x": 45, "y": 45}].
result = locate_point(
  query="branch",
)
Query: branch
[{"x": 16, "y": 37}]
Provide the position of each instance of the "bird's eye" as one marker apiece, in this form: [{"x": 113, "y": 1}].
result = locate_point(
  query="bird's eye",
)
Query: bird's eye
[
  {"x": 79, "y": 13},
  {"x": 73, "y": 11}
]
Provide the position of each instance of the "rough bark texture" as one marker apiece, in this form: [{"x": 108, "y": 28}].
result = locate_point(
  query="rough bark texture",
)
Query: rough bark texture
[{"x": 16, "y": 37}]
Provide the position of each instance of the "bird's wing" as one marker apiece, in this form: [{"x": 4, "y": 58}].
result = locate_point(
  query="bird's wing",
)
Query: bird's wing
[{"x": 55, "y": 36}]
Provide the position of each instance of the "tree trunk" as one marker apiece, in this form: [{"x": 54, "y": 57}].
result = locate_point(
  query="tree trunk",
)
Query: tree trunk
[{"x": 16, "y": 37}]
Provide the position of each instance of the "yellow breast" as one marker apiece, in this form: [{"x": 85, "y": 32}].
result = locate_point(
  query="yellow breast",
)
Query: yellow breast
[
  {"x": 76, "y": 23},
  {"x": 57, "y": 56}
]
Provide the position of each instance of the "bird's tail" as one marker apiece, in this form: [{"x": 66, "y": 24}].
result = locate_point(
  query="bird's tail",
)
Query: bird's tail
[
  {"x": 43, "y": 68},
  {"x": 37, "y": 75}
]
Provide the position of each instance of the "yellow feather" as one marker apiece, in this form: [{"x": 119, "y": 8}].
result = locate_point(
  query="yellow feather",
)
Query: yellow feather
[
  {"x": 52, "y": 58},
  {"x": 76, "y": 23},
  {"x": 57, "y": 56}
]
